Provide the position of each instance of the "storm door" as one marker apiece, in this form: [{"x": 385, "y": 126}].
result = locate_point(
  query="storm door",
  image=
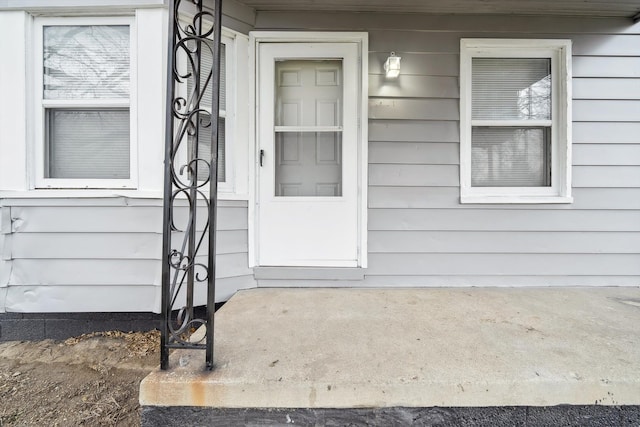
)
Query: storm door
[{"x": 307, "y": 140}]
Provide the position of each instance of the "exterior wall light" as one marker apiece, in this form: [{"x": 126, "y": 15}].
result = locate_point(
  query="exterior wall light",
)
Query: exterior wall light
[{"x": 392, "y": 66}]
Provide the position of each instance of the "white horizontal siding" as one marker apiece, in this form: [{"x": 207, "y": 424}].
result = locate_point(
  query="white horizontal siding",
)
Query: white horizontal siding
[
  {"x": 438, "y": 153},
  {"x": 606, "y": 88},
  {"x": 419, "y": 233},
  {"x": 522, "y": 242},
  {"x": 229, "y": 265},
  {"x": 414, "y": 86},
  {"x": 607, "y": 67},
  {"x": 606, "y": 154},
  {"x": 508, "y": 264},
  {"x": 105, "y": 298},
  {"x": 606, "y": 176},
  {"x": 416, "y": 64},
  {"x": 429, "y": 153},
  {"x": 73, "y": 246},
  {"x": 85, "y": 272},
  {"x": 91, "y": 254},
  {"x": 418, "y": 131},
  {"x": 425, "y": 65},
  {"x": 414, "y": 175},
  {"x": 60, "y": 298},
  {"x": 606, "y": 110},
  {"x": 29, "y": 219},
  {"x": 109, "y": 245},
  {"x": 601, "y": 132},
  {"x": 448, "y": 42},
  {"x": 413, "y": 109},
  {"x": 483, "y": 219},
  {"x": 605, "y": 199}
]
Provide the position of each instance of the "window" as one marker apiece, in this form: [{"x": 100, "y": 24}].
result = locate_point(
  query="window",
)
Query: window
[
  {"x": 84, "y": 97},
  {"x": 204, "y": 128},
  {"x": 232, "y": 155},
  {"x": 515, "y": 121}
]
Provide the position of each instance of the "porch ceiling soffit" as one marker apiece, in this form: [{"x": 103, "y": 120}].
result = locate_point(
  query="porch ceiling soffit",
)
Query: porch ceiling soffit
[{"x": 603, "y": 8}]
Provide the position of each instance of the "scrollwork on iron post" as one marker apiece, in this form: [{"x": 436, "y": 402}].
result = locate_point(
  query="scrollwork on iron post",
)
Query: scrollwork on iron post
[{"x": 189, "y": 213}]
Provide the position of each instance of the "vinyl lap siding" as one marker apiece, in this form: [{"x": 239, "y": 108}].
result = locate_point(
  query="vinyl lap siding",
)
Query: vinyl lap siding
[
  {"x": 103, "y": 255},
  {"x": 419, "y": 233},
  {"x": 5, "y": 253}
]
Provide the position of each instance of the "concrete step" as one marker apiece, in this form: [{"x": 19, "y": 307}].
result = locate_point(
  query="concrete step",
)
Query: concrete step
[{"x": 308, "y": 352}]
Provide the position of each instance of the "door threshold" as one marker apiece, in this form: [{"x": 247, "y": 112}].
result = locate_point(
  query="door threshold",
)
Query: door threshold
[{"x": 310, "y": 273}]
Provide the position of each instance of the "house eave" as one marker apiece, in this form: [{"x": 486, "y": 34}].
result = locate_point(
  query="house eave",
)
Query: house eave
[{"x": 587, "y": 8}]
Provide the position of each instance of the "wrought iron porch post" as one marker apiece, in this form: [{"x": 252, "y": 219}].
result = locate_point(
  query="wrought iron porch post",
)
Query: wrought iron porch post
[{"x": 182, "y": 273}]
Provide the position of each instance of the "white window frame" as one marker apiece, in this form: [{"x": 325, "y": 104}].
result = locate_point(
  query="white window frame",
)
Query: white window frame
[
  {"x": 40, "y": 105},
  {"x": 559, "y": 52}
]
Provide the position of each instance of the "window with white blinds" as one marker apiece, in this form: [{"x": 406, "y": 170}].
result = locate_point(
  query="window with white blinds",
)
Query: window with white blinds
[
  {"x": 515, "y": 122},
  {"x": 517, "y": 89},
  {"x": 84, "y": 94},
  {"x": 204, "y": 129},
  {"x": 233, "y": 119}
]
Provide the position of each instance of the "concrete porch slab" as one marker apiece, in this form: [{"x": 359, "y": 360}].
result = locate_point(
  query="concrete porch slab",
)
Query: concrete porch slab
[{"x": 413, "y": 348}]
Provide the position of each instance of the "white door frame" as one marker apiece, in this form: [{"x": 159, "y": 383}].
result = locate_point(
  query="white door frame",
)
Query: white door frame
[{"x": 361, "y": 39}]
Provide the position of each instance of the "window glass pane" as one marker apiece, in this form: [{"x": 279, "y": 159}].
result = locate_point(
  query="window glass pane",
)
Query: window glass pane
[
  {"x": 87, "y": 143},
  {"x": 205, "y": 67},
  {"x": 204, "y": 136},
  {"x": 511, "y": 88},
  {"x": 510, "y": 157},
  {"x": 86, "y": 62},
  {"x": 308, "y": 93},
  {"x": 308, "y": 164},
  {"x": 204, "y": 150}
]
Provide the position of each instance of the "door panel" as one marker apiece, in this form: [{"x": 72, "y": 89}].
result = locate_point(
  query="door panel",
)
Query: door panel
[{"x": 307, "y": 184}]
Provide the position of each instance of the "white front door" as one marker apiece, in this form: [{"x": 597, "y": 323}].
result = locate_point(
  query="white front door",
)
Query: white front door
[{"x": 308, "y": 147}]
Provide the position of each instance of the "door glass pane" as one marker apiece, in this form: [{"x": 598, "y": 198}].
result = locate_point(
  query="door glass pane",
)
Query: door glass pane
[
  {"x": 309, "y": 164},
  {"x": 308, "y": 157},
  {"x": 510, "y": 157}
]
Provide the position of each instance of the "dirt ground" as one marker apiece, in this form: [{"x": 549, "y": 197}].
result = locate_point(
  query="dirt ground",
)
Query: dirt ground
[{"x": 90, "y": 380}]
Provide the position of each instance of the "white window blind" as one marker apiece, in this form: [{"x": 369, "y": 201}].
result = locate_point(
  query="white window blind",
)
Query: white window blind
[
  {"x": 86, "y": 72},
  {"x": 88, "y": 143},
  {"x": 511, "y": 89},
  {"x": 510, "y": 157},
  {"x": 204, "y": 130}
]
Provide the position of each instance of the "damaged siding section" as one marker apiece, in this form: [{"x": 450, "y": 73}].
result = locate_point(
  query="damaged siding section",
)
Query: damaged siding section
[
  {"x": 5, "y": 253},
  {"x": 419, "y": 233},
  {"x": 102, "y": 255},
  {"x": 96, "y": 249}
]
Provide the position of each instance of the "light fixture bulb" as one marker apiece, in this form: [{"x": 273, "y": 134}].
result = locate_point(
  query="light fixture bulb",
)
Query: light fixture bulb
[{"x": 392, "y": 66}]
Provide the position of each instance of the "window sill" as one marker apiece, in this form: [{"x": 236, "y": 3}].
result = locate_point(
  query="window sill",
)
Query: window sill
[{"x": 479, "y": 199}]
